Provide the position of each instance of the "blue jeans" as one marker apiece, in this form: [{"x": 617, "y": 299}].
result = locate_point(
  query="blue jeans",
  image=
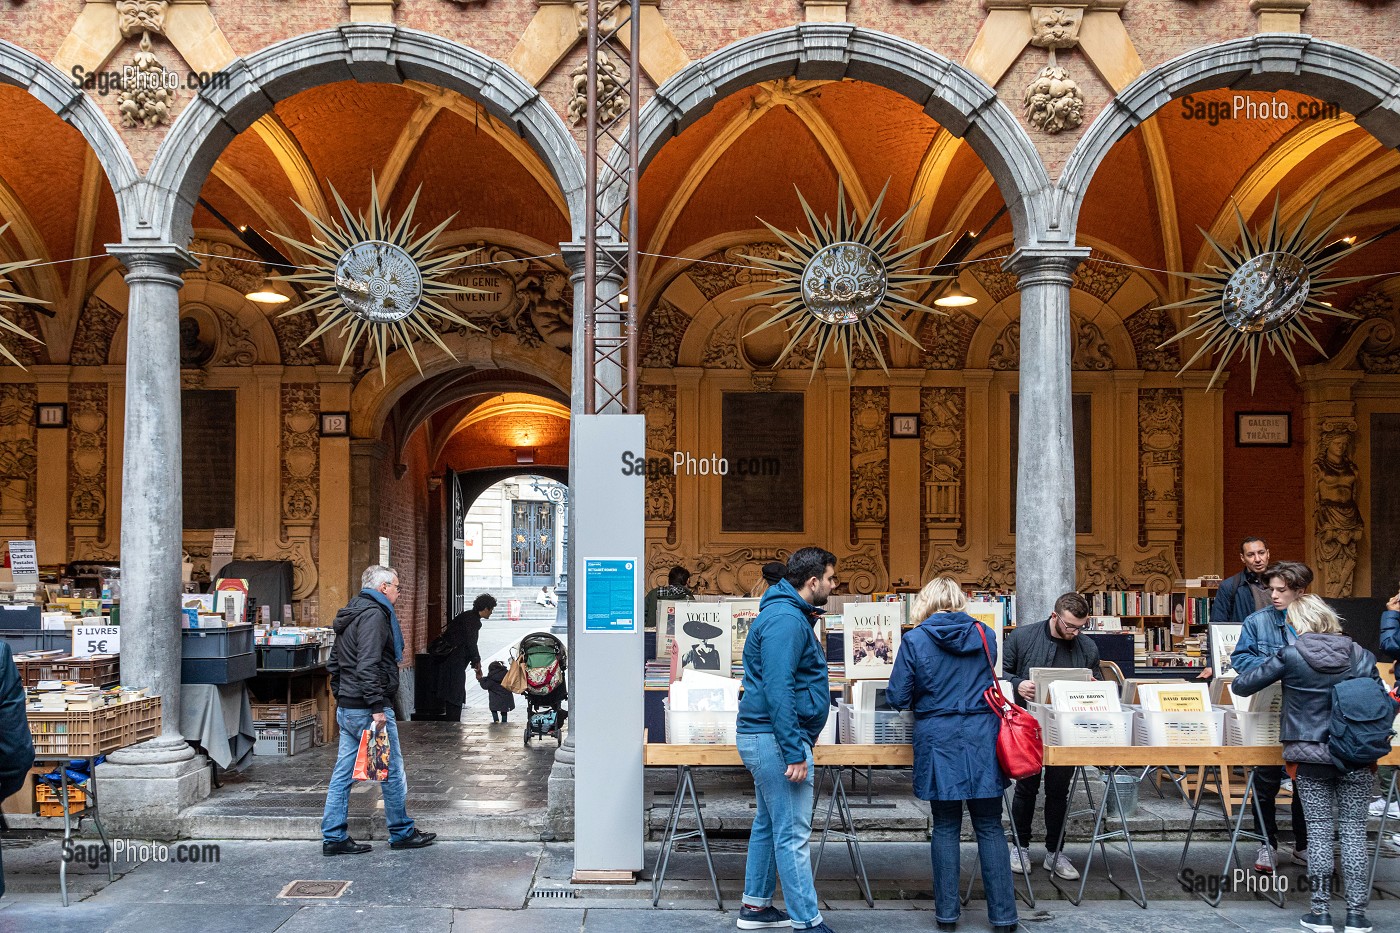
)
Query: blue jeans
[
  {"x": 779, "y": 845},
  {"x": 351, "y": 723},
  {"x": 991, "y": 851}
]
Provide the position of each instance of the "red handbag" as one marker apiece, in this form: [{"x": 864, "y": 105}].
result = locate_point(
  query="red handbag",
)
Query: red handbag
[{"x": 1020, "y": 748}]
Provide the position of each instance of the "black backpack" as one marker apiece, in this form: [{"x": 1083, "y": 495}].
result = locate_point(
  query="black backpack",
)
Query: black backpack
[{"x": 1363, "y": 721}]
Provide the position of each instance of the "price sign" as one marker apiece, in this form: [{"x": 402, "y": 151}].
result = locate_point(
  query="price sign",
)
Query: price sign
[
  {"x": 96, "y": 639},
  {"x": 24, "y": 562}
]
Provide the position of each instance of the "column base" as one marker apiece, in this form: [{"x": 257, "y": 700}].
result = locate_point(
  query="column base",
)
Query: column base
[
  {"x": 559, "y": 813},
  {"x": 141, "y": 790}
]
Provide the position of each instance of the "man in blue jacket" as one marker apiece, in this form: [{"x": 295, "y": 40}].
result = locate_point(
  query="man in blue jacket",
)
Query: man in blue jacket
[
  {"x": 16, "y": 745},
  {"x": 783, "y": 709},
  {"x": 1266, "y": 632},
  {"x": 1390, "y": 644}
]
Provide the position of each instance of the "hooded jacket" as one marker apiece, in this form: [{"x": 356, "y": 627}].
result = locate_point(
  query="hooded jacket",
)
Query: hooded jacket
[
  {"x": 1264, "y": 633},
  {"x": 1309, "y": 669},
  {"x": 364, "y": 661},
  {"x": 786, "y": 690}
]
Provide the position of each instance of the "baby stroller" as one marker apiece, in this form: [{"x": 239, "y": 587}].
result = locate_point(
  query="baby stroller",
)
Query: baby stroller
[{"x": 545, "y": 660}]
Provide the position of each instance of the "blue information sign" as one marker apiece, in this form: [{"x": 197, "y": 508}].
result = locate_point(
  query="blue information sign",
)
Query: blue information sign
[{"x": 610, "y": 588}]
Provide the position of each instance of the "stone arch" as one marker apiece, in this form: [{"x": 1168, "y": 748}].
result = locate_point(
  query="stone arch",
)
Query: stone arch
[
  {"x": 368, "y": 53},
  {"x": 1359, "y": 83},
  {"x": 55, "y": 90},
  {"x": 951, "y": 94}
]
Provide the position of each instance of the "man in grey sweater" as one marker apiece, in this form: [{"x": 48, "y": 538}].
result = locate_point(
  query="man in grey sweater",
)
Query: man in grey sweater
[{"x": 1056, "y": 642}]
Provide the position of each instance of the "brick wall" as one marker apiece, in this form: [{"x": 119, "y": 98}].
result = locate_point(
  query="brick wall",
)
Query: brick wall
[
  {"x": 492, "y": 442},
  {"x": 403, "y": 519},
  {"x": 1264, "y": 492}
]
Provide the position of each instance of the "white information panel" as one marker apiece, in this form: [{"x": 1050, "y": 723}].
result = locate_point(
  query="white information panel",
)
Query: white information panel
[{"x": 607, "y": 528}]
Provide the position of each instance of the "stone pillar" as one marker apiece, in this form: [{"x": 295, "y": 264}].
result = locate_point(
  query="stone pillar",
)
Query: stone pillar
[
  {"x": 145, "y": 786},
  {"x": 1045, "y": 473},
  {"x": 366, "y": 462}
]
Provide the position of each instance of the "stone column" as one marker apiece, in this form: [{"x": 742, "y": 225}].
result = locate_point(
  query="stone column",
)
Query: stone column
[
  {"x": 145, "y": 786},
  {"x": 1045, "y": 473}
]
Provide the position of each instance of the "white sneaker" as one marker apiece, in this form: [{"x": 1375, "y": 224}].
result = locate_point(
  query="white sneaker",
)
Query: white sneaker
[
  {"x": 1390, "y": 846},
  {"x": 1286, "y": 786},
  {"x": 1265, "y": 861},
  {"x": 1020, "y": 860},
  {"x": 1378, "y": 808},
  {"x": 1060, "y": 864}
]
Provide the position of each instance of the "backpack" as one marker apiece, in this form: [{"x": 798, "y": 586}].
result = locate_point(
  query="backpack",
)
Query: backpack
[{"x": 1363, "y": 719}]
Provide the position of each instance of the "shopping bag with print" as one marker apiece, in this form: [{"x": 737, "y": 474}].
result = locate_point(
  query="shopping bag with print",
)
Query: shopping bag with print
[
  {"x": 361, "y": 772},
  {"x": 378, "y": 768}
]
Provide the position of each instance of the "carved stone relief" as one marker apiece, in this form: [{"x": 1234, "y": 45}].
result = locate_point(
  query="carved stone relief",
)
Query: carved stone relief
[
  {"x": 92, "y": 341},
  {"x": 27, "y": 352},
  {"x": 723, "y": 349},
  {"x": 1000, "y": 573},
  {"x": 1006, "y": 352},
  {"x": 1091, "y": 350},
  {"x": 1161, "y": 450},
  {"x": 612, "y": 99},
  {"x": 1159, "y": 573},
  {"x": 301, "y": 450},
  {"x": 19, "y": 459},
  {"x": 148, "y": 96},
  {"x": 941, "y": 415},
  {"x": 1053, "y": 101},
  {"x": 224, "y": 264},
  {"x": 1099, "y": 278},
  {"x": 662, "y": 332},
  {"x": 945, "y": 339},
  {"x": 236, "y": 347},
  {"x": 870, "y": 438},
  {"x": 996, "y": 281},
  {"x": 725, "y": 572},
  {"x": 1337, "y": 517},
  {"x": 523, "y": 297},
  {"x": 1380, "y": 353},
  {"x": 1098, "y": 572},
  {"x": 1149, "y": 327},
  {"x": 141, "y": 17},
  {"x": 945, "y": 562},
  {"x": 291, "y": 331},
  {"x": 87, "y": 451},
  {"x": 729, "y": 268},
  {"x": 659, "y": 405}
]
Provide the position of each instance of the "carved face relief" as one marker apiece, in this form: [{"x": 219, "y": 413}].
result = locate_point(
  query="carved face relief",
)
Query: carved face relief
[{"x": 138, "y": 16}]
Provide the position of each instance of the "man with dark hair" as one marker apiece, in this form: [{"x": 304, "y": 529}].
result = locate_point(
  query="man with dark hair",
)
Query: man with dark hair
[
  {"x": 364, "y": 668},
  {"x": 459, "y": 648},
  {"x": 1240, "y": 596},
  {"x": 782, "y": 711},
  {"x": 1056, "y": 642},
  {"x": 1265, "y": 633},
  {"x": 677, "y": 587},
  {"x": 16, "y": 744}
]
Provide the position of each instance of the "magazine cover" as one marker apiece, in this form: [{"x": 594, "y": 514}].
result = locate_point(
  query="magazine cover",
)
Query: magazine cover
[
  {"x": 742, "y": 613},
  {"x": 991, "y": 613},
  {"x": 871, "y": 634},
  {"x": 703, "y": 637}
]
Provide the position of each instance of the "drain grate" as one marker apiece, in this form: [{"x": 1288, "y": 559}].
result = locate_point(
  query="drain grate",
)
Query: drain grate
[
  {"x": 554, "y": 893},
  {"x": 315, "y": 889}
]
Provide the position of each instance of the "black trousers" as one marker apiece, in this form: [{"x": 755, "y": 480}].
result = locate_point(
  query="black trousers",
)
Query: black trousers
[
  {"x": 1056, "y": 805},
  {"x": 1266, "y": 785},
  {"x": 453, "y": 712}
]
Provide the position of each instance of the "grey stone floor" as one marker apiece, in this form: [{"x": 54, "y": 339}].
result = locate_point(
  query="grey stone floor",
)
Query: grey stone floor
[{"x": 502, "y": 886}]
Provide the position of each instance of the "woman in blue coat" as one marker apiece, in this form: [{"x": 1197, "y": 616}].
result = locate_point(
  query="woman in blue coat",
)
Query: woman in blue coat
[{"x": 939, "y": 673}]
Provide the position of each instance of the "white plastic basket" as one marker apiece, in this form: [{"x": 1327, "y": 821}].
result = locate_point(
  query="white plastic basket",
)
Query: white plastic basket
[
  {"x": 1252, "y": 728},
  {"x": 707, "y": 728},
  {"x": 830, "y": 730},
  {"x": 1180, "y": 729},
  {"x": 879, "y": 727},
  {"x": 1098, "y": 728}
]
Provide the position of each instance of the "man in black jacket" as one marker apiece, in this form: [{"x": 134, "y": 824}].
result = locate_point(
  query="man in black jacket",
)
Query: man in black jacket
[
  {"x": 1056, "y": 642},
  {"x": 364, "y": 669},
  {"x": 1240, "y": 596},
  {"x": 16, "y": 745}
]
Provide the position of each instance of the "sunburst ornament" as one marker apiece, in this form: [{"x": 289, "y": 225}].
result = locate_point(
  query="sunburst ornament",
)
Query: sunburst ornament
[
  {"x": 1264, "y": 291},
  {"x": 378, "y": 280},
  {"x": 9, "y": 296},
  {"x": 845, "y": 283}
]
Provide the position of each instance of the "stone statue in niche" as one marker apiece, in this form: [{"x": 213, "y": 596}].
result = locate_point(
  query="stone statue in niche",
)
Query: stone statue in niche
[
  {"x": 543, "y": 301},
  {"x": 196, "y": 342},
  {"x": 1339, "y": 525}
]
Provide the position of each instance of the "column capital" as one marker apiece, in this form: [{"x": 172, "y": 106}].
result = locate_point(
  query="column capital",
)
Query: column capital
[
  {"x": 575, "y": 254},
  {"x": 1037, "y": 264},
  {"x": 153, "y": 262}
]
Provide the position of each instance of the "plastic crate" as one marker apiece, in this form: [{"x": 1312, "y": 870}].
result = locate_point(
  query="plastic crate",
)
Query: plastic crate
[
  {"x": 218, "y": 670},
  {"x": 216, "y": 642},
  {"x": 286, "y": 657},
  {"x": 707, "y": 728},
  {"x": 880, "y": 727},
  {"x": 1180, "y": 729},
  {"x": 1252, "y": 728},
  {"x": 281, "y": 712},
  {"x": 284, "y": 739},
  {"x": 76, "y": 733},
  {"x": 1085, "y": 729},
  {"x": 100, "y": 672},
  {"x": 50, "y": 799},
  {"x": 21, "y": 641},
  {"x": 140, "y": 720}
]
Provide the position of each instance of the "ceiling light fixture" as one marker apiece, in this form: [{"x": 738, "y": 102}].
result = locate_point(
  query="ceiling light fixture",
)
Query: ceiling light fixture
[{"x": 955, "y": 297}]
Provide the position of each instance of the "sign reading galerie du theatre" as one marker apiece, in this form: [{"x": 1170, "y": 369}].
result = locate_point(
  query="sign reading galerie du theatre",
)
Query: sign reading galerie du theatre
[
  {"x": 610, "y": 588},
  {"x": 1263, "y": 429}
]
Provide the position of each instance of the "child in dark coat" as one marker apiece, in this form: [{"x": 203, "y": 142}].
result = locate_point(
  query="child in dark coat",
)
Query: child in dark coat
[{"x": 502, "y": 700}]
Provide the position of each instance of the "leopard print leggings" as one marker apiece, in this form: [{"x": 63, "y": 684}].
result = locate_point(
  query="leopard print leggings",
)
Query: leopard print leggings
[{"x": 1350, "y": 793}]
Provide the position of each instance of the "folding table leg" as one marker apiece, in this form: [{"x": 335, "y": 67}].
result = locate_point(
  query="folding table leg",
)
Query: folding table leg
[
  {"x": 1249, "y": 802},
  {"x": 845, "y": 830},
  {"x": 1007, "y": 799},
  {"x": 663, "y": 857},
  {"x": 1390, "y": 799},
  {"x": 1100, "y": 838},
  {"x": 97, "y": 818},
  {"x": 67, "y": 831}
]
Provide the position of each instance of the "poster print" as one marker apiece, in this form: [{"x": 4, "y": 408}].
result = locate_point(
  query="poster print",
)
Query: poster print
[
  {"x": 872, "y": 632},
  {"x": 1223, "y": 638},
  {"x": 991, "y": 613},
  {"x": 703, "y": 637},
  {"x": 742, "y": 614}
]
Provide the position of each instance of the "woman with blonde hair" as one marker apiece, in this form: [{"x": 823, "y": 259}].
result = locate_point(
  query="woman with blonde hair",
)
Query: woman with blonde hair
[
  {"x": 940, "y": 671},
  {"x": 1321, "y": 658}
]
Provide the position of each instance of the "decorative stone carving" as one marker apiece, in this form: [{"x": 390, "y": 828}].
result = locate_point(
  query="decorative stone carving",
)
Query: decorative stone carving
[
  {"x": 1337, "y": 518},
  {"x": 1053, "y": 103},
  {"x": 1091, "y": 351},
  {"x": 944, "y": 562},
  {"x": 945, "y": 339},
  {"x": 1055, "y": 27},
  {"x": 996, "y": 281},
  {"x": 662, "y": 332},
  {"x": 87, "y": 451},
  {"x": 607, "y": 15},
  {"x": 19, "y": 459},
  {"x": 870, "y": 465},
  {"x": 612, "y": 101},
  {"x": 518, "y": 295},
  {"x": 1380, "y": 353},
  {"x": 1149, "y": 327},
  {"x": 92, "y": 341},
  {"x": 148, "y": 93},
  {"x": 1158, "y": 574},
  {"x": 141, "y": 16},
  {"x": 659, "y": 405},
  {"x": 1006, "y": 352},
  {"x": 1160, "y": 456},
  {"x": 941, "y": 416},
  {"x": 1099, "y": 572},
  {"x": 301, "y": 450},
  {"x": 1100, "y": 279},
  {"x": 26, "y": 352},
  {"x": 1001, "y": 572},
  {"x": 225, "y": 264},
  {"x": 864, "y": 570},
  {"x": 734, "y": 571},
  {"x": 722, "y": 352},
  {"x": 729, "y": 268},
  {"x": 236, "y": 347},
  {"x": 291, "y": 332}
]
